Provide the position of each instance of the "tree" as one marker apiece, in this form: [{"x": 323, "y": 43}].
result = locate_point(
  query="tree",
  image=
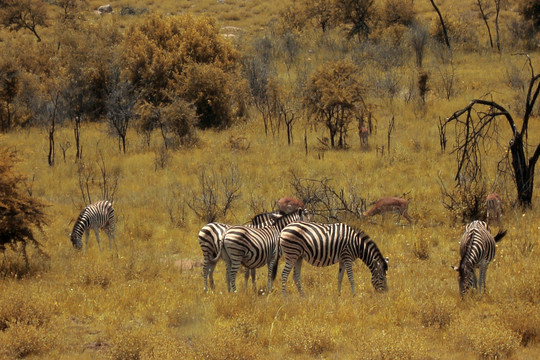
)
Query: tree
[
  {"x": 24, "y": 14},
  {"x": 161, "y": 54},
  {"x": 476, "y": 125},
  {"x": 9, "y": 88},
  {"x": 320, "y": 11},
  {"x": 483, "y": 7},
  {"x": 20, "y": 213},
  {"x": 443, "y": 25},
  {"x": 334, "y": 96},
  {"x": 358, "y": 13},
  {"x": 121, "y": 109}
]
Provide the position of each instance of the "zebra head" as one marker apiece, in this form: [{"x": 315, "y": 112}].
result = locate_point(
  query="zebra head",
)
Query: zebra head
[
  {"x": 466, "y": 278},
  {"x": 76, "y": 235},
  {"x": 378, "y": 275},
  {"x": 76, "y": 241}
]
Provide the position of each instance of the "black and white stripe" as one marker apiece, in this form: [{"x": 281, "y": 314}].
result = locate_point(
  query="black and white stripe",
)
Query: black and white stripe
[
  {"x": 99, "y": 215},
  {"x": 211, "y": 243},
  {"x": 477, "y": 250},
  {"x": 256, "y": 247},
  {"x": 328, "y": 244}
]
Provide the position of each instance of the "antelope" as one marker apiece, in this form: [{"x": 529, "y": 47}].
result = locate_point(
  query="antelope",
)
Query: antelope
[
  {"x": 390, "y": 204},
  {"x": 364, "y": 135},
  {"x": 493, "y": 208},
  {"x": 288, "y": 205}
]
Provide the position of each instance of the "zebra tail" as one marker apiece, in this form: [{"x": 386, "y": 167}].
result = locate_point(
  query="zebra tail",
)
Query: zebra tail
[
  {"x": 500, "y": 235},
  {"x": 214, "y": 260},
  {"x": 274, "y": 269}
]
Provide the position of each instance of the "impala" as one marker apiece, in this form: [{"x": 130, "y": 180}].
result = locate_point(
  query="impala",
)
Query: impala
[{"x": 390, "y": 204}]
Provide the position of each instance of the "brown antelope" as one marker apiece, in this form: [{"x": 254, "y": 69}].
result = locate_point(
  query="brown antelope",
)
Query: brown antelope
[
  {"x": 390, "y": 204},
  {"x": 364, "y": 135},
  {"x": 493, "y": 208},
  {"x": 288, "y": 205}
]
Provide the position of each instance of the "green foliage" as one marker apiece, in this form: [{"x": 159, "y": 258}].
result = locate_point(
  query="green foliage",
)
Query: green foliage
[
  {"x": 183, "y": 56},
  {"x": 334, "y": 97}
]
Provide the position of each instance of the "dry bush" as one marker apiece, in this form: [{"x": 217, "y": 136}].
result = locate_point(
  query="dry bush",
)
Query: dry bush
[
  {"x": 437, "y": 313},
  {"x": 225, "y": 344},
  {"x": 24, "y": 340},
  {"x": 485, "y": 334},
  {"x": 18, "y": 308},
  {"x": 313, "y": 340},
  {"x": 523, "y": 319},
  {"x": 24, "y": 324},
  {"x": 94, "y": 271},
  {"x": 422, "y": 248},
  {"x": 394, "y": 343}
]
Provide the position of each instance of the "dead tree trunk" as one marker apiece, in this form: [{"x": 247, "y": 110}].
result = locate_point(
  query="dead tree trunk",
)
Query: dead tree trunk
[
  {"x": 474, "y": 126},
  {"x": 445, "y": 33}
]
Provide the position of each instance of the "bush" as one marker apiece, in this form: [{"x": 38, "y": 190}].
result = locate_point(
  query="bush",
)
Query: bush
[
  {"x": 485, "y": 334},
  {"x": 20, "y": 213}
]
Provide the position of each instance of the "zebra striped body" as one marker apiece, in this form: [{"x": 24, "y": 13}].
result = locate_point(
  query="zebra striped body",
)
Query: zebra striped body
[
  {"x": 328, "y": 244},
  {"x": 256, "y": 247},
  {"x": 211, "y": 243},
  {"x": 99, "y": 215},
  {"x": 477, "y": 250}
]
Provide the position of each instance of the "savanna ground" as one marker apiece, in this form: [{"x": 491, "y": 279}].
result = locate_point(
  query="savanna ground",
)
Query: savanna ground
[{"x": 139, "y": 305}]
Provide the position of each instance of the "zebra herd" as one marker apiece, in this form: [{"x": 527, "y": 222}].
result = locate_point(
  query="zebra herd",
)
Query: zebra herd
[{"x": 289, "y": 233}]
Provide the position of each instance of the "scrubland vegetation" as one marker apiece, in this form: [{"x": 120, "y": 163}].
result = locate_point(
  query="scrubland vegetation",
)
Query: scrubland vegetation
[{"x": 183, "y": 112}]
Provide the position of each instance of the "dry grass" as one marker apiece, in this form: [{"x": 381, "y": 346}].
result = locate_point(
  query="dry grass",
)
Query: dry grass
[{"x": 92, "y": 305}]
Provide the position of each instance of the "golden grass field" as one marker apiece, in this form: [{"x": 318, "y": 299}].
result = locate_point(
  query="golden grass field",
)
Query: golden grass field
[{"x": 140, "y": 305}]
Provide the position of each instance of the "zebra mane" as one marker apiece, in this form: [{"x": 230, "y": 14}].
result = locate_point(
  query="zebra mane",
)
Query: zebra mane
[
  {"x": 469, "y": 243},
  {"x": 362, "y": 236}
]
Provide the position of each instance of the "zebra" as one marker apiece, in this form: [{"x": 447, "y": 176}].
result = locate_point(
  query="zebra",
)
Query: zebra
[
  {"x": 99, "y": 215},
  {"x": 327, "y": 244},
  {"x": 477, "y": 250},
  {"x": 255, "y": 247},
  {"x": 211, "y": 243}
]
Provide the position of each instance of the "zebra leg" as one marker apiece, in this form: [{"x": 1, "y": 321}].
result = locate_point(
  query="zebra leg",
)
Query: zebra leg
[
  {"x": 205, "y": 273},
  {"x": 348, "y": 267},
  {"x": 482, "y": 281},
  {"x": 296, "y": 275},
  {"x": 271, "y": 274},
  {"x": 340, "y": 277},
  {"x": 233, "y": 267},
  {"x": 96, "y": 230},
  {"x": 285, "y": 274},
  {"x": 253, "y": 280},
  {"x": 475, "y": 280}
]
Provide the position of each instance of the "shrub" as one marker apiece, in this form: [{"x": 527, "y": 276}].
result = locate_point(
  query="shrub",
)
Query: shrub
[
  {"x": 20, "y": 213},
  {"x": 485, "y": 334},
  {"x": 23, "y": 340}
]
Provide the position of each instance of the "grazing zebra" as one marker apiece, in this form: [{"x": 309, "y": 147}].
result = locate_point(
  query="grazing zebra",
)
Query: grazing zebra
[
  {"x": 211, "y": 242},
  {"x": 477, "y": 250},
  {"x": 255, "y": 247},
  {"x": 99, "y": 215},
  {"x": 327, "y": 244}
]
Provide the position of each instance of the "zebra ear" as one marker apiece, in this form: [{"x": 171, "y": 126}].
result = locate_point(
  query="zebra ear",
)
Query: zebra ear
[
  {"x": 454, "y": 267},
  {"x": 386, "y": 259}
]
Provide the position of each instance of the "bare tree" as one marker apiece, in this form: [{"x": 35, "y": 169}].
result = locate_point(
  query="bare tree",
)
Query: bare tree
[
  {"x": 121, "y": 110},
  {"x": 217, "y": 195},
  {"x": 443, "y": 25},
  {"x": 476, "y": 126},
  {"x": 497, "y": 11},
  {"x": 484, "y": 12},
  {"x": 332, "y": 204}
]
